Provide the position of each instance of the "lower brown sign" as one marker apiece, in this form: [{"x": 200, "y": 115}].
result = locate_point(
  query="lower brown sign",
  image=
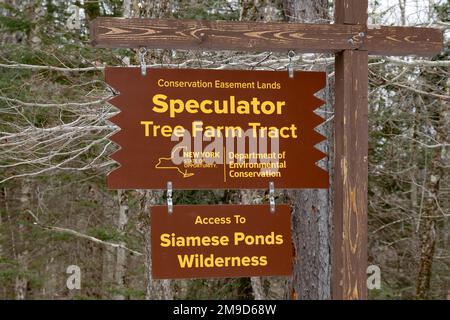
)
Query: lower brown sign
[{"x": 221, "y": 241}]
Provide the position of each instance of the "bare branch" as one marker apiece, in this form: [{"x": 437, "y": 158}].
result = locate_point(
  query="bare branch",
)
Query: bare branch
[
  {"x": 53, "y": 105},
  {"x": 81, "y": 235}
]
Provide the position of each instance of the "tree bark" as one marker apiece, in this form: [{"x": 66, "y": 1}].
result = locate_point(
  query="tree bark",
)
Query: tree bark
[
  {"x": 126, "y": 8},
  {"x": 402, "y": 6},
  {"x": 4, "y": 202},
  {"x": 155, "y": 289},
  {"x": 3, "y": 194},
  {"x": 306, "y": 11},
  {"x": 254, "y": 197},
  {"x": 256, "y": 11},
  {"x": 259, "y": 10},
  {"x": 21, "y": 282},
  {"x": 413, "y": 152},
  {"x": 311, "y": 208},
  {"x": 50, "y": 288},
  {"x": 122, "y": 256},
  {"x": 431, "y": 211}
]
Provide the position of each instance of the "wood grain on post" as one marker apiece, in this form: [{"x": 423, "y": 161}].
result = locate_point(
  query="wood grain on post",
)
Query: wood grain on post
[
  {"x": 349, "y": 253},
  {"x": 403, "y": 41},
  {"x": 351, "y": 12},
  {"x": 259, "y": 36}
]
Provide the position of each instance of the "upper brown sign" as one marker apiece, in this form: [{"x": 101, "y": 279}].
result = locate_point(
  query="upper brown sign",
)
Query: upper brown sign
[
  {"x": 221, "y": 241},
  {"x": 204, "y": 129}
]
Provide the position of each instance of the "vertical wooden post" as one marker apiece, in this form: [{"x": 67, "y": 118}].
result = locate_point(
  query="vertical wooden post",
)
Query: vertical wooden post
[{"x": 349, "y": 251}]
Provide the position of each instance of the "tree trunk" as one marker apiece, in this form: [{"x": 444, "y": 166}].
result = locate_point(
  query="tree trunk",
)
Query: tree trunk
[
  {"x": 3, "y": 194},
  {"x": 413, "y": 152},
  {"x": 155, "y": 289},
  {"x": 21, "y": 282},
  {"x": 50, "y": 288},
  {"x": 3, "y": 201},
  {"x": 402, "y": 6},
  {"x": 306, "y": 11},
  {"x": 254, "y": 197},
  {"x": 311, "y": 215},
  {"x": 259, "y": 10},
  {"x": 431, "y": 211},
  {"x": 108, "y": 268},
  {"x": 256, "y": 11},
  {"x": 121, "y": 258},
  {"x": 126, "y": 8}
]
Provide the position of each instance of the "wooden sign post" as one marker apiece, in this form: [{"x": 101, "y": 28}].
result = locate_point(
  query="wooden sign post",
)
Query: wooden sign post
[{"x": 352, "y": 40}]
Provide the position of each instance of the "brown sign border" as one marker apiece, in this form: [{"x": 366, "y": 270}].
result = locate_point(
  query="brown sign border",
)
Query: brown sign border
[
  {"x": 259, "y": 219},
  {"x": 137, "y": 163}
]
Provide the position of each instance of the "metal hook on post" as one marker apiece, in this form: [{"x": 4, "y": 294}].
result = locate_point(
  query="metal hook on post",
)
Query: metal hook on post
[
  {"x": 291, "y": 54},
  {"x": 169, "y": 197},
  {"x": 142, "y": 54},
  {"x": 362, "y": 36},
  {"x": 357, "y": 40},
  {"x": 272, "y": 197}
]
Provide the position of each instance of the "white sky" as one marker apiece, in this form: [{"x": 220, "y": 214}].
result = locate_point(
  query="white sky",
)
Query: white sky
[{"x": 417, "y": 11}]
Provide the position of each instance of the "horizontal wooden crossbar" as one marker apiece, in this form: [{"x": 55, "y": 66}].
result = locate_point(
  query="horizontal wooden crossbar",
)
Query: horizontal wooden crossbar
[{"x": 259, "y": 36}]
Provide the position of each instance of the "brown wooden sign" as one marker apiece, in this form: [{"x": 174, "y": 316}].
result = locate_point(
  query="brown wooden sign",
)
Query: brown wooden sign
[
  {"x": 221, "y": 241},
  {"x": 204, "y": 129}
]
